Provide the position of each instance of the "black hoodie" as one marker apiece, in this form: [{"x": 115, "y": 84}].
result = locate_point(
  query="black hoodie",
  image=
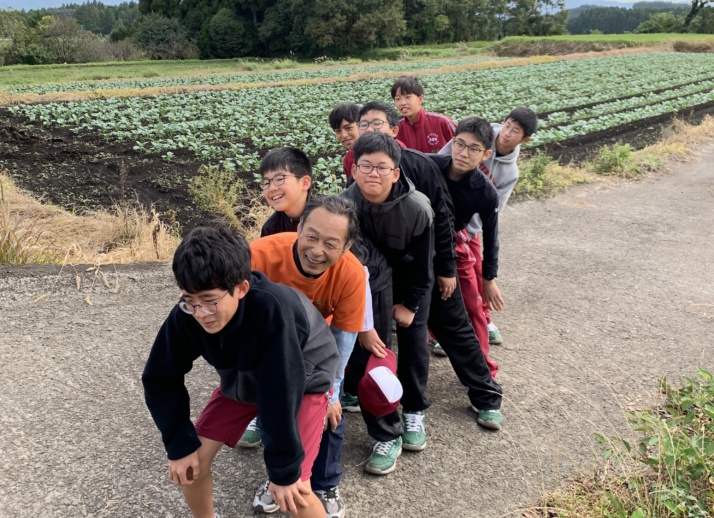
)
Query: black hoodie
[
  {"x": 276, "y": 348},
  {"x": 402, "y": 229}
]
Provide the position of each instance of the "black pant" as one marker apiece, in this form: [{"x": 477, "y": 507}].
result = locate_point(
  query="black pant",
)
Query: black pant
[
  {"x": 390, "y": 426},
  {"x": 450, "y": 324}
]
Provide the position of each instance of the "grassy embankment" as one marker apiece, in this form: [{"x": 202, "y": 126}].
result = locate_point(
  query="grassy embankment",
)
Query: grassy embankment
[
  {"x": 663, "y": 468},
  {"x": 42, "y": 74}
]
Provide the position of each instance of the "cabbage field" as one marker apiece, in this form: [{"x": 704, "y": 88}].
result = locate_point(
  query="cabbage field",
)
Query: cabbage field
[{"x": 162, "y": 140}]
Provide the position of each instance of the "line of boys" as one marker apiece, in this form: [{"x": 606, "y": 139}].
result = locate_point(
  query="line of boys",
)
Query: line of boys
[{"x": 381, "y": 186}]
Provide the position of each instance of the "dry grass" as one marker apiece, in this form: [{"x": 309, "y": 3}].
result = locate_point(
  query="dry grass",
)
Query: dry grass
[{"x": 125, "y": 234}]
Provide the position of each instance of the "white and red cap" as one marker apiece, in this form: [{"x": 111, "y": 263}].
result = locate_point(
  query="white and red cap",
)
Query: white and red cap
[{"x": 380, "y": 391}]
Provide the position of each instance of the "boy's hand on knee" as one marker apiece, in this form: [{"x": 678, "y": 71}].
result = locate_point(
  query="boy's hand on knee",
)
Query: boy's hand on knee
[
  {"x": 403, "y": 316},
  {"x": 183, "y": 472},
  {"x": 289, "y": 498},
  {"x": 447, "y": 285}
]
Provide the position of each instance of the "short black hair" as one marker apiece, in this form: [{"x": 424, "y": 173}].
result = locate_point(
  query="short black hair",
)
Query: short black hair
[
  {"x": 526, "y": 119},
  {"x": 479, "y": 128},
  {"x": 210, "y": 258},
  {"x": 388, "y": 109},
  {"x": 345, "y": 111},
  {"x": 289, "y": 158},
  {"x": 338, "y": 205},
  {"x": 376, "y": 142},
  {"x": 407, "y": 85}
]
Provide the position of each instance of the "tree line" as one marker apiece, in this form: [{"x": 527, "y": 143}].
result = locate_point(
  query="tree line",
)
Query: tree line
[
  {"x": 643, "y": 17},
  {"x": 180, "y": 29}
]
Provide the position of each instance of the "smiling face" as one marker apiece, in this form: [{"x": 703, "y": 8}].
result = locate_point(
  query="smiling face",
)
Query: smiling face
[
  {"x": 375, "y": 187},
  {"x": 466, "y": 153},
  {"x": 322, "y": 239},
  {"x": 347, "y": 133},
  {"x": 226, "y": 306},
  {"x": 408, "y": 104},
  {"x": 286, "y": 193}
]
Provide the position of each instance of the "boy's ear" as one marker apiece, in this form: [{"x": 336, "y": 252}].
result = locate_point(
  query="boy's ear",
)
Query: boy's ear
[
  {"x": 397, "y": 172},
  {"x": 305, "y": 182},
  {"x": 394, "y": 131},
  {"x": 241, "y": 289},
  {"x": 525, "y": 139},
  {"x": 354, "y": 170},
  {"x": 487, "y": 154}
]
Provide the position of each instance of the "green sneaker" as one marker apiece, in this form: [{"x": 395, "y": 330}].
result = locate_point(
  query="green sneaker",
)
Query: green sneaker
[
  {"x": 414, "y": 433},
  {"x": 491, "y": 419},
  {"x": 349, "y": 402},
  {"x": 384, "y": 457},
  {"x": 494, "y": 335},
  {"x": 251, "y": 436}
]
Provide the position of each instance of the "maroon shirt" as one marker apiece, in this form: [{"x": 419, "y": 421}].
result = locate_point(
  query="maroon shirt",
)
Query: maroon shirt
[{"x": 429, "y": 133}]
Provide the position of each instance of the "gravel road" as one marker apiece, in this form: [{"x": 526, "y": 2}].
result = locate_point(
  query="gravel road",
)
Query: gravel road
[{"x": 608, "y": 287}]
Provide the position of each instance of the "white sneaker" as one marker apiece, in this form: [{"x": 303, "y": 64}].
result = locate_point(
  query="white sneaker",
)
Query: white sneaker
[{"x": 263, "y": 501}]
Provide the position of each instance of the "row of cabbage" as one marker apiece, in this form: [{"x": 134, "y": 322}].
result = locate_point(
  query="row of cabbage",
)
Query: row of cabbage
[
  {"x": 575, "y": 98},
  {"x": 275, "y": 76}
]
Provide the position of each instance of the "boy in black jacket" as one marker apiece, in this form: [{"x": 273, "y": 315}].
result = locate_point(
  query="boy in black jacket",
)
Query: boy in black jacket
[
  {"x": 473, "y": 194},
  {"x": 448, "y": 319},
  {"x": 274, "y": 354}
]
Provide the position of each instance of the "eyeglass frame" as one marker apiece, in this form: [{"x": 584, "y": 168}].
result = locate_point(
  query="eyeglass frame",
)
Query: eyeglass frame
[
  {"x": 363, "y": 125},
  {"x": 183, "y": 305},
  {"x": 460, "y": 145},
  {"x": 373, "y": 168},
  {"x": 274, "y": 179}
]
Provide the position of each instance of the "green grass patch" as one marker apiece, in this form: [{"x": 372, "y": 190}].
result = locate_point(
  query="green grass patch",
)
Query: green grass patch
[
  {"x": 619, "y": 160},
  {"x": 540, "y": 177},
  {"x": 568, "y": 44},
  {"x": 436, "y": 51},
  {"x": 666, "y": 471}
]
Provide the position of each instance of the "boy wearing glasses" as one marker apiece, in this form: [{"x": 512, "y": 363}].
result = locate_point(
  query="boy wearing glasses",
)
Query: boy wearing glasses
[
  {"x": 425, "y": 131},
  {"x": 473, "y": 194},
  {"x": 501, "y": 168},
  {"x": 400, "y": 221},
  {"x": 275, "y": 357},
  {"x": 287, "y": 177}
]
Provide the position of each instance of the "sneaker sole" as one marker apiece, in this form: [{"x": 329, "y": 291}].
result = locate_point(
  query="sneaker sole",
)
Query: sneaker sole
[
  {"x": 375, "y": 471},
  {"x": 413, "y": 447},
  {"x": 488, "y": 424},
  {"x": 259, "y": 509},
  {"x": 352, "y": 409},
  {"x": 495, "y": 341},
  {"x": 441, "y": 353},
  {"x": 249, "y": 444}
]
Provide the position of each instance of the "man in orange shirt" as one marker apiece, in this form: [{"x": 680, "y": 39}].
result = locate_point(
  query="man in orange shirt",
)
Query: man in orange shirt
[{"x": 317, "y": 262}]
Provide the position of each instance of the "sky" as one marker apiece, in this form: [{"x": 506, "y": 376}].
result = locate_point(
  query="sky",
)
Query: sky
[{"x": 38, "y": 4}]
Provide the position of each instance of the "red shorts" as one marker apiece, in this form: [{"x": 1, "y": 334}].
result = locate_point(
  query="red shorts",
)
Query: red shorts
[{"x": 225, "y": 419}]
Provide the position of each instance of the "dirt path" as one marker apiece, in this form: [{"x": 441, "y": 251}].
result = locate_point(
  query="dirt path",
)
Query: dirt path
[{"x": 608, "y": 288}]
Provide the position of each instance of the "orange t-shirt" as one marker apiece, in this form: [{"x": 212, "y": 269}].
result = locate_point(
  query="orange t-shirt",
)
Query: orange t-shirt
[{"x": 339, "y": 292}]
